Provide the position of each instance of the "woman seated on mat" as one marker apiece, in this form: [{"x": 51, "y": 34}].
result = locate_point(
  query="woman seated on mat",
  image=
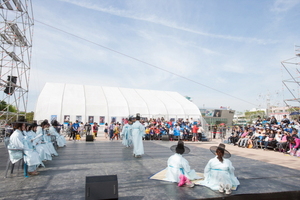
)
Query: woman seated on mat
[
  {"x": 219, "y": 172},
  {"x": 178, "y": 169}
]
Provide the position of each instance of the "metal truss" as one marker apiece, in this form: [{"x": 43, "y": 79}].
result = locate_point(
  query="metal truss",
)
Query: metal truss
[
  {"x": 291, "y": 66},
  {"x": 16, "y": 30}
]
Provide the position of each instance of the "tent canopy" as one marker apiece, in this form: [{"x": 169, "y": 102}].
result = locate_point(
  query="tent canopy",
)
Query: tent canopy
[{"x": 70, "y": 102}]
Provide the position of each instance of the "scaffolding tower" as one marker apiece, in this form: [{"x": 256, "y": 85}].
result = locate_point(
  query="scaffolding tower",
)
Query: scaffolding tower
[
  {"x": 292, "y": 84},
  {"x": 16, "y": 31}
]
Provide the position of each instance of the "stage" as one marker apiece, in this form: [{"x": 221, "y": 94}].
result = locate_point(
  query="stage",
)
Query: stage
[{"x": 64, "y": 176}]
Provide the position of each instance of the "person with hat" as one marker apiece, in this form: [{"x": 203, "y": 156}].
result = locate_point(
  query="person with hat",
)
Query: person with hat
[
  {"x": 61, "y": 141},
  {"x": 219, "y": 172},
  {"x": 126, "y": 133},
  {"x": 178, "y": 169},
  {"x": 138, "y": 131}
]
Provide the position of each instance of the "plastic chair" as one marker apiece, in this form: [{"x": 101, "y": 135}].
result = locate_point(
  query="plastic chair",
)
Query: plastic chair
[{"x": 6, "y": 140}]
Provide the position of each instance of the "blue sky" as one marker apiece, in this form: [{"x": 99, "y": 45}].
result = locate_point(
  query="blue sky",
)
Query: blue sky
[{"x": 231, "y": 46}]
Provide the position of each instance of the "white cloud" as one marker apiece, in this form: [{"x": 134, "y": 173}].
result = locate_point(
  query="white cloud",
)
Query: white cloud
[
  {"x": 171, "y": 24},
  {"x": 284, "y": 5}
]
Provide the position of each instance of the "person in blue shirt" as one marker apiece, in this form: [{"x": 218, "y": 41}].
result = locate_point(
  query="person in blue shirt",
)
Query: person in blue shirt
[{"x": 74, "y": 129}]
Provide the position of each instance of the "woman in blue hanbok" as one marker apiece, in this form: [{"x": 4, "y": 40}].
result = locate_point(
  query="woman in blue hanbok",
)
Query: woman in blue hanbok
[
  {"x": 138, "y": 132},
  {"x": 126, "y": 133},
  {"x": 219, "y": 172},
  {"x": 61, "y": 141},
  {"x": 17, "y": 141},
  {"x": 178, "y": 169},
  {"x": 45, "y": 136},
  {"x": 37, "y": 144}
]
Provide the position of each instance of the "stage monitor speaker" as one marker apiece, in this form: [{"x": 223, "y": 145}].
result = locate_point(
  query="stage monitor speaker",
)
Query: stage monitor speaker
[
  {"x": 10, "y": 88},
  {"x": 101, "y": 187},
  {"x": 165, "y": 137},
  {"x": 89, "y": 138}
]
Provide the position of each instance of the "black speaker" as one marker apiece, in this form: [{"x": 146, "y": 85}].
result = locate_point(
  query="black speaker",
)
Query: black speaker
[
  {"x": 165, "y": 137},
  {"x": 10, "y": 88},
  {"x": 89, "y": 138},
  {"x": 101, "y": 187}
]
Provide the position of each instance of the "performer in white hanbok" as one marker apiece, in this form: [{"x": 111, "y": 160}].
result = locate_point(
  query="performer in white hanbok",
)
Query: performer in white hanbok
[
  {"x": 178, "y": 169},
  {"x": 33, "y": 142},
  {"x": 17, "y": 141},
  {"x": 219, "y": 172},
  {"x": 138, "y": 131},
  {"x": 61, "y": 141},
  {"x": 46, "y": 137},
  {"x": 126, "y": 133}
]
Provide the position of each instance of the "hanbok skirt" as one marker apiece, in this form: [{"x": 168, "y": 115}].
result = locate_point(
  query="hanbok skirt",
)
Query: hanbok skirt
[{"x": 215, "y": 177}]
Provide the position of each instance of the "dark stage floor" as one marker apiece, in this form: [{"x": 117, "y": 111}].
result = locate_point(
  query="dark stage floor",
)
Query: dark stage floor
[{"x": 64, "y": 176}]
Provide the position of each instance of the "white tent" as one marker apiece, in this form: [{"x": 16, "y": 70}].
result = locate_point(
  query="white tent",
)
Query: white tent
[{"x": 68, "y": 102}]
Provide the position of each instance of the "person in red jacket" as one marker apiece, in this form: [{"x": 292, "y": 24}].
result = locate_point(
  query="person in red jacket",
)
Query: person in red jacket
[{"x": 195, "y": 132}]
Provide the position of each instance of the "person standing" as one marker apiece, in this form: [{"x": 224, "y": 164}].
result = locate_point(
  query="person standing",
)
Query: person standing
[
  {"x": 126, "y": 133},
  {"x": 214, "y": 131},
  {"x": 74, "y": 129},
  {"x": 195, "y": 133},
  {"x": 138, "y": 131},
  {"x": 116, "y": 131},
  {"x": 111, "y": 130},
  {"x": 200, "y": 132},
  {"x": 87, "y": 128},
  {"x": 95, "y": 129},
  {"x": 106, "y": 130}
]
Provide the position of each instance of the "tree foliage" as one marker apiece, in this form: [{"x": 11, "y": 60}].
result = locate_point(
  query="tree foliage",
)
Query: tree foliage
[
  {"x": 251, "y": 115},
  {"x": 5, "y": 107}
]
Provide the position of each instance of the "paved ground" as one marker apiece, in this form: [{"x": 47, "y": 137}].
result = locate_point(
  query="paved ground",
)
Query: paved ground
[{"x": 64, "y": 177}]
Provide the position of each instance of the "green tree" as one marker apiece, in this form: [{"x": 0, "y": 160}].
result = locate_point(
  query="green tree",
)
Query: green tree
[
  {"x": 252, "y": 115},
  {"x": 29, "y": 116},
  {"x": 4, "y": 106}
]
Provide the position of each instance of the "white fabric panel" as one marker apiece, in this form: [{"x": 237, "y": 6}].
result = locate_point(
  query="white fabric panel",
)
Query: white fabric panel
[
  {"x": 173, "y": 107},
  {"x": 117, "y": 104},
  {"x": 155, "y": 106},
  {"x": 73, "y": 101},
  {"x": 189, "y": 107},
  {"x": 51, "y": 95},
  {"x": 96, "y": 104},
  {"x": 134, "y": 101}
]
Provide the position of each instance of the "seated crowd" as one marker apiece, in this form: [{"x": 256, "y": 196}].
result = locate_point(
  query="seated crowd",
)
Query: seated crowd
[
  {"x": 188, "y": 130},
  {"x": 268, "y": 134},
  {"x": 34, "y": 143}
]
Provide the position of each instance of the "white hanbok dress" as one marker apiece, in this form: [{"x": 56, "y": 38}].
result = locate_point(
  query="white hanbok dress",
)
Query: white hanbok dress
[
  {"x": 47, "y": 140},
  {"x": 18, "y": 141},
  {"x": 216, "y": 172},
  {"x": 138, "y": 131},
  {"x": 43, "y": 151},
  {"x": 177, "y": 165},
  {"x": 127, "y": 135},
  {"x": 61, "y": 141}
]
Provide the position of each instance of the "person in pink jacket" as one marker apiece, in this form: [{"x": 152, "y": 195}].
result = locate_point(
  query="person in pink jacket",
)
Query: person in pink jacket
[{"x": 294, "y": 143}]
